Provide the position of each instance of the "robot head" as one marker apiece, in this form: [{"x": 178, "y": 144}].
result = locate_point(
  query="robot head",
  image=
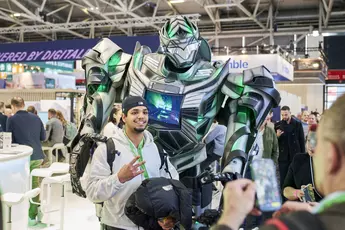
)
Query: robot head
[{"x": 179, "y": 39}]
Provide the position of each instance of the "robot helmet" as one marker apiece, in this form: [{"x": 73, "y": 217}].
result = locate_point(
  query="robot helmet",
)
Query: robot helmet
[{"x": 179, "y": 40}]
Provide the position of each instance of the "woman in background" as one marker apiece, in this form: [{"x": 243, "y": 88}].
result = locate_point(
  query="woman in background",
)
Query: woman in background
[
  {"x": 70, "y": 130},
  {"x": 114, "y": 122}
]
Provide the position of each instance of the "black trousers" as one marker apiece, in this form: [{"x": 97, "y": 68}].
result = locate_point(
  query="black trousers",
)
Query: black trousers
[{"x": 283, "y": 170}]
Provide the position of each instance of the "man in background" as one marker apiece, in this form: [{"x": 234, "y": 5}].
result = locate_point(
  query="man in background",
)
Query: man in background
[
  {"x": 3, "y": 117},
  {"x": 304, "y": 120},
  {"x": 27, "y": 129},
  {"x": 291, "y": 140},
  {"x": 54, "y": 130}
]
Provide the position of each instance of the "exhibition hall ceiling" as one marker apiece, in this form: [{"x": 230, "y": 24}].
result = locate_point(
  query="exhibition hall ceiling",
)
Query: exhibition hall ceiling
[{"x": 218, "y": 20}]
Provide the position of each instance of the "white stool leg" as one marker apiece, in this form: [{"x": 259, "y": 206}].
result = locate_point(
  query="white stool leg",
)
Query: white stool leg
[
  {"x": 56, "y": 155},
  {"x": 9, "y": 219},
  {"x": 49, "y": 186},
  {"x": 50, "y": 156},
  {"x": 62, "y": 207}
]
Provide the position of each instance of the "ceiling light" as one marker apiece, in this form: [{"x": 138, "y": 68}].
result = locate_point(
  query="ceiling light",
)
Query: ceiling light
[
  {"x": 315, "y": 33},
  {"x": 316, "y": 65},
  {"x": 176, "y": 1}
]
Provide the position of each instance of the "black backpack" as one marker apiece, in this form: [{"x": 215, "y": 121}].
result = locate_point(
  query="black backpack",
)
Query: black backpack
[{"x": 112, "y": 152}]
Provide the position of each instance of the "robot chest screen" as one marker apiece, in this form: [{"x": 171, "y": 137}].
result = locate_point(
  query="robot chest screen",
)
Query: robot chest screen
[{"x": 164, "y": 109}]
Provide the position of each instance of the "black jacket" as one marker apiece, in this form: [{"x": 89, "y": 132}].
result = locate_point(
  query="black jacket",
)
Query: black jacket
[
  {"x": 290, "y": 143},
  {"x": 27, "y": 129},
  {"x": 300, "y": 173},
  {"x": 158, "y": 198},
  {"x": 3, "y": 120}
]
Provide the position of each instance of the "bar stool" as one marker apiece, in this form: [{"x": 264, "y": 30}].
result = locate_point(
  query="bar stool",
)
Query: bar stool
[
  {"x": 63, "y": 180},
  {"x": 55, "y": 148},
  {"x": 58, "y": 169},
  {"x": 11, "y": 199}
]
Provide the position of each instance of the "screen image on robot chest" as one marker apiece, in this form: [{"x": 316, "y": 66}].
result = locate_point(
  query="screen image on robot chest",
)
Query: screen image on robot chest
[{"x": 164, "y": 109}]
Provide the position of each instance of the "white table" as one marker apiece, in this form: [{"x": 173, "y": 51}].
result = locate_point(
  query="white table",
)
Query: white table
[{"x": 14, "y": 177}]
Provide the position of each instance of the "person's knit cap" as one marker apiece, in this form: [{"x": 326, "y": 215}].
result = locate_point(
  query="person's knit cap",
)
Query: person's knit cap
[{"x": 131, "y": 102}]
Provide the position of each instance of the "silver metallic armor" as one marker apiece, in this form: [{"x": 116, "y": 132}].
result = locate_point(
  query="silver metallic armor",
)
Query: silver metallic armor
[{"x": 185, "y": 93}]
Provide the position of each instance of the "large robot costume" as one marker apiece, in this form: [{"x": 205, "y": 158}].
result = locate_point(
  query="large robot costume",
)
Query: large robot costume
[{"x": 185, "y": 93}]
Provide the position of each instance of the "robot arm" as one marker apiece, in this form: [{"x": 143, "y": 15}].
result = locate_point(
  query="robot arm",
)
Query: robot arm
[
  {"x": 252, "y": 95},
  {"x": 105, "y": 68}
]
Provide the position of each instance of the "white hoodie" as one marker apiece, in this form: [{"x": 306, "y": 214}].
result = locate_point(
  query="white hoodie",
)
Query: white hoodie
[{"x": 103, "y": 187}]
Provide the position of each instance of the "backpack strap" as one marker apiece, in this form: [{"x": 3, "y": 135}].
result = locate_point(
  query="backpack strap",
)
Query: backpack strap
[
  {"x": 164, "y": 159},
  {"x": 301, "y": 220},
  {"x": 111, "y": 153}
]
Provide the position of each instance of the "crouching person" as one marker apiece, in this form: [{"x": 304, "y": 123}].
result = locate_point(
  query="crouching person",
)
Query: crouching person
[{"x": 138, "y": 159}]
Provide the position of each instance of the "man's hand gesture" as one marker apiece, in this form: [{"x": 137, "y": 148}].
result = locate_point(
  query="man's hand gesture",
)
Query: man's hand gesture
[{"x": 130, "y": 170}]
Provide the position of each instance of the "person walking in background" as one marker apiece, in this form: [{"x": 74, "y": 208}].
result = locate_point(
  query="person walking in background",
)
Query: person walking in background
[
  {"x": 112, "y": 126},
  {"x": 304, "y": 120},
  {"x": 28, "y": 129},
  {"x": 70, "y": 130},
  {"x": 291, "y": 141},
  {"x": 3, "y": 117}
]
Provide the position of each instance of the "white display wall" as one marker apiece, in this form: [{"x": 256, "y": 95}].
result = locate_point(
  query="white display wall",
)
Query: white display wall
[
  {"x": 291, "y": 100},
  {"x": 311, "y": 95}
]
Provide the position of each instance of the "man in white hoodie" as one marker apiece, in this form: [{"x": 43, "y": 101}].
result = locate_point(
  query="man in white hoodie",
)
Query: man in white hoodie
[{"x": 138, "y": 160}]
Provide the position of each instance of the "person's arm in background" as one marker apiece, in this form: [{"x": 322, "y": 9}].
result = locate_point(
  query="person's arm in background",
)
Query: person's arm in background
[
  {"x": 212, "y": 135},
  {"x": 43, "y": 132},
  {"x": 275, "y": 149},
  {"x": 289, "y": 188},
  {"x": 301, "y": 138},
  {"x": 48, "y": 130}
]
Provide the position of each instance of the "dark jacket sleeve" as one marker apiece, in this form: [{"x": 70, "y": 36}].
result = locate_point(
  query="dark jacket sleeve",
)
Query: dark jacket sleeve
[
  {"x": 43, "y": 132},
  {"x": 301, "y": 138},
  {"x": 275, "y": 147},
  {"x": 289, "y": 179},
  {"x": 9, "y": 128}
]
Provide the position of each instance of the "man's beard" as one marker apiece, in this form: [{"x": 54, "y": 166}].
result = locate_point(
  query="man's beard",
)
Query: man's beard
[{"x": 140, "y": 130}]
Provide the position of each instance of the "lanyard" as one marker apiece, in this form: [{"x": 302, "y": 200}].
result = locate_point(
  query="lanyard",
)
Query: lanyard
[
  {"x": 137, "y": 152},
  {"x": 335, "y": 198}
]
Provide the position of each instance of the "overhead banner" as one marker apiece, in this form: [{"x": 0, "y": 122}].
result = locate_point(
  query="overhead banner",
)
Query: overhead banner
[
  {"x": 281, "y": 69},
  {"x": 64, "y": 50}
]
